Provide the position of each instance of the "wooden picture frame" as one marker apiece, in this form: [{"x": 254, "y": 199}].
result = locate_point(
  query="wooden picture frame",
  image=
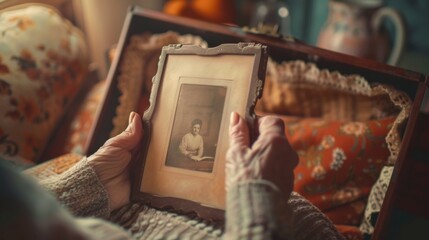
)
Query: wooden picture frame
[{"x": 182, "y": 161}]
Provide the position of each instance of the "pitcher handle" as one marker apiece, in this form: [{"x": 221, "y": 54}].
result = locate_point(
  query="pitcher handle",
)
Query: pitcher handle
[{"x": 399, "y": 41}]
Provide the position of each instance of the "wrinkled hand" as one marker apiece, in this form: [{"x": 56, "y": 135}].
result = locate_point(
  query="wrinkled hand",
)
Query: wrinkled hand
[
  {"x": 111, "y": 162},
  {"x": 270, "y": 157}
]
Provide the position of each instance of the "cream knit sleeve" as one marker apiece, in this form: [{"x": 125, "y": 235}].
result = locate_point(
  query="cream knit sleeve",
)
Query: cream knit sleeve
[
  {"x": 309, "y": 222},
  {"x": 257, "y": 210},
  {"x": 80, "y": 190}
]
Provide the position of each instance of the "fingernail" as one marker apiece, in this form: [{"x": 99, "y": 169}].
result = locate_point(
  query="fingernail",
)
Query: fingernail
[
  {"x": 130, "y": 121},
  {"x": 131, "y": 117},
  {"x": 234, "y": 118}
]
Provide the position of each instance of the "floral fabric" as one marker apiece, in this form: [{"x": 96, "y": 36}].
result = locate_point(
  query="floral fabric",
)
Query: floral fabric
[
  {"x": 55, "y": 166},
  {"x": 350, "y": 232},
  {"x": 73, "y": 133},
  {"x": 339, "y": 163},
  {"x": 42, "y": 66}
]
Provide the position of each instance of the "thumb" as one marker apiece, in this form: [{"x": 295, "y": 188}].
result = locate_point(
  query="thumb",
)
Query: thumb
[
  {"x": 131, "y": 136},
  {"x": 238, "y": 131}
]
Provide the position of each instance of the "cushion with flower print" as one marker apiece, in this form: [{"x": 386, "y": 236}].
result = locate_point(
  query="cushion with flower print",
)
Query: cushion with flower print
[
  {"x": 42, "y": 65},
  {"x": 72, "y": 135},
  {"x": 339, "y": 162}
]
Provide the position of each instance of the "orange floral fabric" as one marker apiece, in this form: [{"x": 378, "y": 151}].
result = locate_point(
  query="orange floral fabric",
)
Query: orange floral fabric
[
  {"x": 73, "y": 133},
  {"x": 350, "y": 232},
  {"x": 339, "y": 162},
  {"x": 54, "y": 166},
  {"x": 42, "y": 66}
]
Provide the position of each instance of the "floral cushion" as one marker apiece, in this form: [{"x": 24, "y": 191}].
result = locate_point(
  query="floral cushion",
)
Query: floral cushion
[
  {"x": 350, "y": 232},
  {"x": 42, "y": 65},
  {"x": 339, "y": 162},
  {"x": 73, "y": 133},
  {"x": 54, "y": 166}
]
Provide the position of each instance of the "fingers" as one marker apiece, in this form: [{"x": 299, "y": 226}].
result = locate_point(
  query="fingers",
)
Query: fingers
[
  {"x": 238, "y": 131},
  {"x": 272, "y": 137},
  {"x": 239, "y": 146},
  {"x": 129, "y": 138},
  {"x": 271, "y": 133},
  {"x": 271, "y": 125},
  {"x": 113, "y": 154}
]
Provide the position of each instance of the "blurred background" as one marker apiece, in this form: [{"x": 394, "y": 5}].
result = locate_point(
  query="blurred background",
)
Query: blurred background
[
  {"x": 303, "y": 19},
  {"x": 366, "y": 28}
]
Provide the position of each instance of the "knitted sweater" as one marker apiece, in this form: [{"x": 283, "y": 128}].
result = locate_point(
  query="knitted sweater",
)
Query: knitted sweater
[{"x": 255, "y": 210}]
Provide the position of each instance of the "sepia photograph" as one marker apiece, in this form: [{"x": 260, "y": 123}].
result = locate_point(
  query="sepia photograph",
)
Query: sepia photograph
[{"x": 196, "y": 127}]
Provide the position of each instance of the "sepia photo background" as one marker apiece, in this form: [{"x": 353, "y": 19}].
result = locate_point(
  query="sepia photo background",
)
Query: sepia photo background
[{"x": 202, "y": 102}]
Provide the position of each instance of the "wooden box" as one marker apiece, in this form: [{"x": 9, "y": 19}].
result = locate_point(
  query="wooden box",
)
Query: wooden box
[{"x": 139, "y": 21}]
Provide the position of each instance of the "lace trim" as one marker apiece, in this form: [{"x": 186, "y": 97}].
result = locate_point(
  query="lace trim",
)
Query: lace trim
[
  {"x": 136, "y": 71},
  {"x": 375, "y": 200},
  {"x": 298, "y": 72},
  {"x": 301, "y": 73},
  {"x": 403, "y": 102}
]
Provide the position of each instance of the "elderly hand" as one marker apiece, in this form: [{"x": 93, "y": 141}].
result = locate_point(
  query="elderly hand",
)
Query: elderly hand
[
  {"x": 270, "y": 157},
  {"x": 111, "y": 162}
]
